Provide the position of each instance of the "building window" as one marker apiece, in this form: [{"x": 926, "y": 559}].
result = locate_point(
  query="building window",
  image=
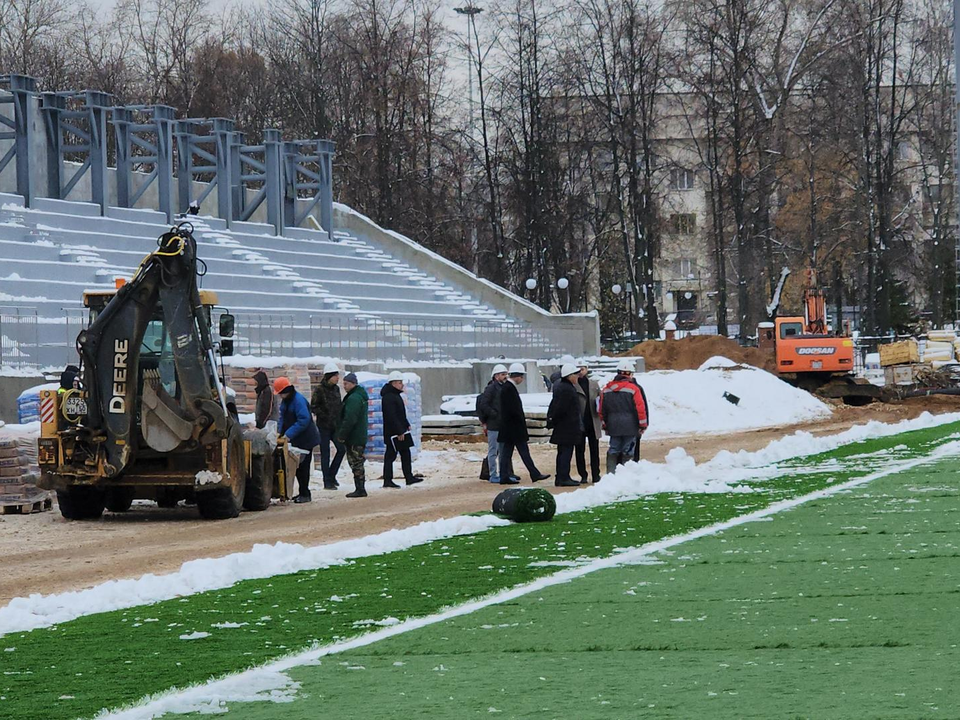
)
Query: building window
[
  {"x": 688, "y": 267},
  {"x": 683, "y": 223},
  {"x": 681, "y": 179}
]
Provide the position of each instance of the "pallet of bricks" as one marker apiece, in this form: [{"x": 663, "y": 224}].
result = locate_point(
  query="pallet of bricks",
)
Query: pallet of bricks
[{"x": 19, "y": 473}]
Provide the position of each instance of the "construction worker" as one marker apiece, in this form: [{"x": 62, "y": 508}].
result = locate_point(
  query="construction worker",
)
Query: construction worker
[
  {"x": 513, "y": 429},
  {"x": 565, "y": 418},
  {"x": 326, "y": 403},
  {"x": 488, "y": 410},
  {"x": 297, "y": 426},
  {"x": 623, "y": 414},
  {"x": 352, "y": 431},
  {"x": 591, "y": 425},
  {"x": 266, "y": 407}
]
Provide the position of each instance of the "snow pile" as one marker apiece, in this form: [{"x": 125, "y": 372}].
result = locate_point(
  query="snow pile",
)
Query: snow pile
[
  {"x": 683, "y": 402},
  {"x": 692, "y": 401}
]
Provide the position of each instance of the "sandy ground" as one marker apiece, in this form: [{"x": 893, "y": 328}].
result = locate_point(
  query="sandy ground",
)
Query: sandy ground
[{"x": 43, "y": 553}]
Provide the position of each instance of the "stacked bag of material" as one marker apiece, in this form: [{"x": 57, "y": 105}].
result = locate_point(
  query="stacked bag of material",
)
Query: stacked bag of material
[
  {"x": 411, "y": 396},
  {"x": 240, "y": 379},
  {"x": 939, "y": 348},
  {"x": 19, "y": 472},
  {"x": 28, "y": 403}
]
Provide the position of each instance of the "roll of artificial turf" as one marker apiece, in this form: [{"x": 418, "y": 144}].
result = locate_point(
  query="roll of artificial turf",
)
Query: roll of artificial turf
[{"x": 525, "y": 504}]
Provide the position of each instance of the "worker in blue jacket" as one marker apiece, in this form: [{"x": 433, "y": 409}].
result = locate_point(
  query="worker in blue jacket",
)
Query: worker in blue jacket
[{"x": 297, "y": 426}]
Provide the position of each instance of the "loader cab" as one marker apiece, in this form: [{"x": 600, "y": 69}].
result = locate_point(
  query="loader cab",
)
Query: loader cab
[{"x": 156, "y": 350}]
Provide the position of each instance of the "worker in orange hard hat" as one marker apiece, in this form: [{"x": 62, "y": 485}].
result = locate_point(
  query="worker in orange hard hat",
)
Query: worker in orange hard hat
[{"x": 297, "y": 425}]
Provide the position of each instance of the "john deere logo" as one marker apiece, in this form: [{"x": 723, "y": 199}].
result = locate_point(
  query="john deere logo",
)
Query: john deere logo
[{"x": 816, "y": 351}]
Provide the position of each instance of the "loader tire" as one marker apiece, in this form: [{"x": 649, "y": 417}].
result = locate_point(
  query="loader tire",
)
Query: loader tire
[
  {"x": 119, "y": 499},
  {"x": 259, "y": 484},
  {"x": 81, "y": 502},
  {"x": 225, "y": 503}
]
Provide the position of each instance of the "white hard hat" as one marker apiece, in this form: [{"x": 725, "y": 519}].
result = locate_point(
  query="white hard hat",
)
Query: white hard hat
[
  {"x": 499, "y": 368},
  {"x": 564, "y": 359},
  {"x": 517, "y": 369},
  {"x": 626, "y": 364},
  {"x": 330, "y": 367},
  {"x": 582, "y": 362},
  {"x": 395, "y": 375},
  {"x": 569, "y": 369}
]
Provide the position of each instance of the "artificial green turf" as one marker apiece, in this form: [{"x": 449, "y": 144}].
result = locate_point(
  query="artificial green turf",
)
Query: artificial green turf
[
  {"x": 110, "y": 659},
  {"x": 842, "y": 608}
]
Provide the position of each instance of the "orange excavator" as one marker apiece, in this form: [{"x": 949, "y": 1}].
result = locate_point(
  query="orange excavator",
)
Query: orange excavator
[{"x": 807, "y": 355}]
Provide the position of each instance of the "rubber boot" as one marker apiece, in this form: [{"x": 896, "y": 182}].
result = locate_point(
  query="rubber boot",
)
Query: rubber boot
[
  {"x": 359, "y": 489},
  {"x": 613, "y": 459}
]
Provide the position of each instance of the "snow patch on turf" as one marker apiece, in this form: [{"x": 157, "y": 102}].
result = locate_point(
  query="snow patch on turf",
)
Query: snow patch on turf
[
  {"x": 680, "y": 473},
  {"x": 725, "y": 472},
  {"x": 221, "y": 691}
]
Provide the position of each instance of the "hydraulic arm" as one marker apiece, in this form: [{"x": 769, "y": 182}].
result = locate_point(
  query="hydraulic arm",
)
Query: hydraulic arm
[{"x": 110, "y": 351}]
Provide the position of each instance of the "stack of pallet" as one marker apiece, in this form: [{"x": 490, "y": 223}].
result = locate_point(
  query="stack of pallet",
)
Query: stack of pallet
[
  {"x": 19, "y": 473},
  {"x": 241, "y": 381},
  {"x": 939, "y": 348},
  {"x": 537, "y": 425},
  {"x": 444, "y": 427},
  {"x": 901, "y": 362}
]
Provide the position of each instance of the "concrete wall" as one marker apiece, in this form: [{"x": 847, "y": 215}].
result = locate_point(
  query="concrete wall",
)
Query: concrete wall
[{"x": 10, "y": 389}]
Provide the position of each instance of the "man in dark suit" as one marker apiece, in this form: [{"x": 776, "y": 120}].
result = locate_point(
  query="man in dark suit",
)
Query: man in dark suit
[
  {"x": 513, "y": 429},
  {"x": 565, "y": 418}
]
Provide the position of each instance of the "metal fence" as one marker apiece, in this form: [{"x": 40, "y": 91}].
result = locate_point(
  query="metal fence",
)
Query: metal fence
[
  {"x": 376, "y": 339},
  {"x": 28, "y": 340}
]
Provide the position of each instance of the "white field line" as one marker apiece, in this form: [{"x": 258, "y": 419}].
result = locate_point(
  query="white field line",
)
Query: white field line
[{"x": 270, "y": 677}]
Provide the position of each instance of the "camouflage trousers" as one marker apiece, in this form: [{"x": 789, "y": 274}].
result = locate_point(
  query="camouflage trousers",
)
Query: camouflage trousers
[{"x": 355, "y": 461}]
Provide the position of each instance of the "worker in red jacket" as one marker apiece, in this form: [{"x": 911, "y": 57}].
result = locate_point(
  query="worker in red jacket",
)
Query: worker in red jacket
[{"x": 623, "y": 413}]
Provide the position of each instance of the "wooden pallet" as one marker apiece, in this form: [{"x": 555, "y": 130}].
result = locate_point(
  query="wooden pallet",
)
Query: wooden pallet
[{"x": 25, "y": 507}]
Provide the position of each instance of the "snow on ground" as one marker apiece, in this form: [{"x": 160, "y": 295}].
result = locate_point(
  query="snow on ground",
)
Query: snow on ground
[
  {"x": 683, "y": 402},
  {"x": 271, "y": 682},
  {"x": 724, "y": 473}
]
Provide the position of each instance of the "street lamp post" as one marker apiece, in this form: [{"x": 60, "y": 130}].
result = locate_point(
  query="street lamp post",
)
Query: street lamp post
[{"x": 470, "y": 11}]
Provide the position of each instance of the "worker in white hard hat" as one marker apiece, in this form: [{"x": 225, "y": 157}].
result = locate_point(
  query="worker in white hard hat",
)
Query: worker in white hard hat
[
  {"x": 326, "y": 402},
  {"x": 397, "y": 438},
  {"x": 565, "y": 419},
  {"x": 513, "y": 429},
  {"x": 623, "y": 412},
  {"x": 488, "y": 411},
  {"x": 555, "y": 376},
  {"x": 591, "y": 425}
]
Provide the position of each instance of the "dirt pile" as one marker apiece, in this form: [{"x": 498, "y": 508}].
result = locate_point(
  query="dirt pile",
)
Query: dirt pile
[{"x": 692, "y": 351}]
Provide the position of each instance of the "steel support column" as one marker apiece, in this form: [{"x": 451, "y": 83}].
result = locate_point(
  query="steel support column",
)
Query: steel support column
[
  {"x": 22, "y": 90},
  {"x": 274, "y": 185}
]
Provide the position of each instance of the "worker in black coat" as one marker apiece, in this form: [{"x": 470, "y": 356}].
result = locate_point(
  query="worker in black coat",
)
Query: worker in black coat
[
  {"x": 397, "y": 439},
  {"x": 565, "y": 418},
  {"x": 513, "y": 429}
]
